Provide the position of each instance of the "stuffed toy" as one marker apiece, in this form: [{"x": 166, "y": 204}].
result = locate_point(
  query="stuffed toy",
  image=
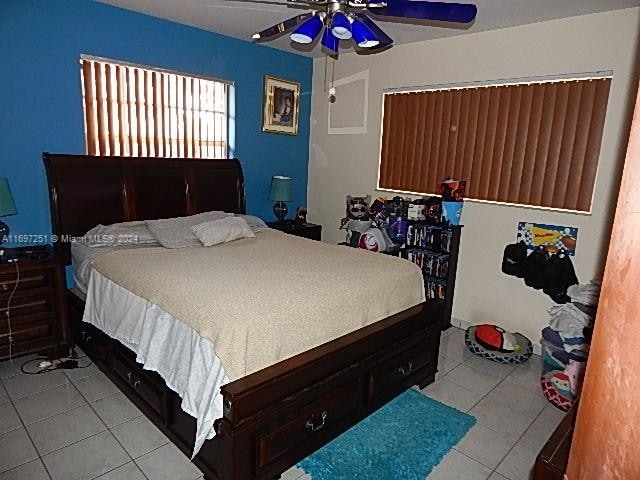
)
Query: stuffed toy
[
  {"x": 373, "y": 240},
  {"x": 574, "y": 372},
  {"x": 357, "y": 209},
  {"x": 562, "y": 383},
  {"x": 495, "y": 338}
]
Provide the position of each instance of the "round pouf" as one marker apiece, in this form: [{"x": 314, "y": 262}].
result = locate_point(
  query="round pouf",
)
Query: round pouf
[{"x": 500, "y": 357}]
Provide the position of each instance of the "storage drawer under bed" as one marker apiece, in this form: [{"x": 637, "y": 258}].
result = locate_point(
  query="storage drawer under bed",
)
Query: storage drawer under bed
[
  {"x": 300, "y": 428},
  {"x": 149, "y": 389},
  {"x": 401, "y": 367}
]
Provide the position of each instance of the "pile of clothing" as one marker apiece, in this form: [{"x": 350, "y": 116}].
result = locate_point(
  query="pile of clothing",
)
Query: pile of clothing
[{"x": 565, "y": 344}]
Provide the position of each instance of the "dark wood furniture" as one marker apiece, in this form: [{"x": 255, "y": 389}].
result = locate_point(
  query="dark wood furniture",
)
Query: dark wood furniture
[
  {"x": 306, "y": 230},
  {"x": 552, "y": 461},
  {"x": 449, "y": 278},
  {"x": 276, "y": 416},
  {"x": 38, "y": 310},
  {"x": 443, "y": 305}
]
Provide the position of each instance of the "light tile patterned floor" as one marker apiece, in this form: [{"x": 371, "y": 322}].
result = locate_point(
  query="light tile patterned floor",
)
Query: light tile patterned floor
[{"x": 76, "y": 425}]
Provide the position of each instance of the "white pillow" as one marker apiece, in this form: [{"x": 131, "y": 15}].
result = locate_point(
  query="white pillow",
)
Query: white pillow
[
  {"x": 176, "y": 232},
  {"x": 222, "y": 231},
  {"x": 124, "y": 233},
  {"x": 256, "y": 224}
]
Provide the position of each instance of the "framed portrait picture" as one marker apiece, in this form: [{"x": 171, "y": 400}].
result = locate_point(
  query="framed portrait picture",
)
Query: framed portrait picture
[{"x": 280, "y": 106}]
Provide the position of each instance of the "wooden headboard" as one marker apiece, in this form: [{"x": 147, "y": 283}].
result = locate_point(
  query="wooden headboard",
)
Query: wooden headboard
[{"x": 85, "y": 191}]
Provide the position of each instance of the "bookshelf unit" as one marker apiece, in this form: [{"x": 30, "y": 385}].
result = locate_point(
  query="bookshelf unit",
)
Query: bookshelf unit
[
  {"x": 444, "y": 302},
  {"x": 435, "y": 248}
]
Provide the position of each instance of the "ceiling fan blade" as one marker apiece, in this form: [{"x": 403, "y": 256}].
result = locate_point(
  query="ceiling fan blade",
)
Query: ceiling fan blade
[
  {"x": 263, "y": 2},
  {"x": 439, "y": 11},
  {"x": 283, "y": 3},
  {"x": 281, "y": 27},
  {"x": 384, "y": 39}
]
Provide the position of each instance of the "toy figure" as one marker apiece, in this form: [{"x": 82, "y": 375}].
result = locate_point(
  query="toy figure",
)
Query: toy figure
[
  {"x": 358, "y": 207},
  {"x": 433, "y": 210},
  {"x": 378, "y": 212},
  {"x": 397, "y": 222},
  {"x": 357, "y": 220},
  {"x": 452, "y": 190},
  {"x": 301, "y": 215}
]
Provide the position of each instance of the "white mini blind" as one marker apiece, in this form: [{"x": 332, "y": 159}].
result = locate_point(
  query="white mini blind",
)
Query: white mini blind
[{"x": 134, "y": 111}]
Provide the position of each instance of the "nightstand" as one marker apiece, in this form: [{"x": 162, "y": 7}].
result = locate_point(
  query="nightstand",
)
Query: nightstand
[
  {"x": 37, "y": 310},
  {"x": 306, "y": 230}
]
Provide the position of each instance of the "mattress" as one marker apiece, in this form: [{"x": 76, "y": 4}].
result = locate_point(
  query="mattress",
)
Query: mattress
[
  {"x": 82, "y": 257},
  {"x": 203, "y": 316}
]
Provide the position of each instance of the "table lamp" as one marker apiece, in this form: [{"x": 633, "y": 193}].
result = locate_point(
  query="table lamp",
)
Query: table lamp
[
  {"x": 7, "y": 207},
  {"x": 280, "y": 192}
]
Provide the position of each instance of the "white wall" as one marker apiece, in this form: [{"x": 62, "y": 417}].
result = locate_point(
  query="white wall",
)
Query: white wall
[{"x": 347, "y": 164}]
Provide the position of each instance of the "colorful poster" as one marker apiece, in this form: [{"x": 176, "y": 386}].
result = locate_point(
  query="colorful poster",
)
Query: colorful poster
[{"x": 535, "y": 235}]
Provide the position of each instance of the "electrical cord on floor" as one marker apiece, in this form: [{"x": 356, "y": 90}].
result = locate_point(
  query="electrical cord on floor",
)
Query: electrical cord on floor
[{"x": 63, "y": 363}]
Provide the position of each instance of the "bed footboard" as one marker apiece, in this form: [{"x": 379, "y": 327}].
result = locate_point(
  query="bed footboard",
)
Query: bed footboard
[{"x": 276, "y": 417}]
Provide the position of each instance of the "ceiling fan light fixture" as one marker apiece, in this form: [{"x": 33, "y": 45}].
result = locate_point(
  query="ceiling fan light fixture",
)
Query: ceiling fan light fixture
[
  {"x": 330, "y": 41},
  {"x": 307, "y": 31},
  {"x": 341, "y": 26},
  {"x": 363, "y": 35}
]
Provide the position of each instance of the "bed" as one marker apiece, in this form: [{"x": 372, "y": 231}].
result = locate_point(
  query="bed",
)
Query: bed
[{"x": 274, "y": 411}]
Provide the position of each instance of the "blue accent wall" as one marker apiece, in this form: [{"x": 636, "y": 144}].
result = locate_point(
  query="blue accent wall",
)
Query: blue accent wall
[{"x": 41, "y": 99}]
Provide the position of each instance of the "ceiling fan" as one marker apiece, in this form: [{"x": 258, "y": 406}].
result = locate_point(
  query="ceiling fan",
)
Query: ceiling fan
[{"x": 346, "y": 19}]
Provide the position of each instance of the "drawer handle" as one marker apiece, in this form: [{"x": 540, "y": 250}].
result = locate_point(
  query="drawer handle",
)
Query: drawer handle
[
  {"x": 406, "y": 371},
  {"x": 315, "y": 428},
  {"x": 129, "y": 377},
  {"x": 85, "y": 338},
  {"x": 136, "y": 383}
]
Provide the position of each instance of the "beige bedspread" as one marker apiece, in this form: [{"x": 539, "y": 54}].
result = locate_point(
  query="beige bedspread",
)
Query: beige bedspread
[{"x": 265, "y": 299}]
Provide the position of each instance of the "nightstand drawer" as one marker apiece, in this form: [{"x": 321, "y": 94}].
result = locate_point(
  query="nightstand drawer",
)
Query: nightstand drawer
[
  {"x": 40, "y": 318},
  {"x": 28, "y": 280},
  {"x": 21, "y": 306},
  {"x": 31, "y": 331}
]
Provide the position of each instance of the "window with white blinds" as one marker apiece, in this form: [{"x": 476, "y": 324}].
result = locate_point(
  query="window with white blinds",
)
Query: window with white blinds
[{"x": 143, "y": 112}]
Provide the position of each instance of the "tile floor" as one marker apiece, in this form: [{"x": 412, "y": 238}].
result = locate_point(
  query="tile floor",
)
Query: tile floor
[{"x": 76, "y": 425}]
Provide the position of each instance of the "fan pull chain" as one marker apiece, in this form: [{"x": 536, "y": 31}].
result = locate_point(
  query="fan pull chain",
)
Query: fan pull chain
[{"x": 332, "y": 89}]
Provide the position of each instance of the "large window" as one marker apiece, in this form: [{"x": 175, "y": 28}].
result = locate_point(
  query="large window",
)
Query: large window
[
  {"x": 135, "y": 111},
  {"x": 534, "y": 143}
]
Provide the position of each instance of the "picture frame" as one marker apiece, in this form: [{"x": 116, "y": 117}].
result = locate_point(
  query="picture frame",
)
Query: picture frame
[{"x": 280, "y": 106}]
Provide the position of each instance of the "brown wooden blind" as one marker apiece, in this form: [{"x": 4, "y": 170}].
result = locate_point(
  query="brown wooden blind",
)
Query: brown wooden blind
[
  {"x": 132, "y": 111},
  {"x": 529, "y": 144}
]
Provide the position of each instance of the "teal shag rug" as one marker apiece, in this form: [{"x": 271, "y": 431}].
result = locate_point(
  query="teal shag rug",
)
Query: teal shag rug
[{"x": 404, "y": 440}]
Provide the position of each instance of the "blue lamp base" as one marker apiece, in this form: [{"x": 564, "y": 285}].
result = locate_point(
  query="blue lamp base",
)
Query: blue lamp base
[{"x": 280, "y": 210}]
